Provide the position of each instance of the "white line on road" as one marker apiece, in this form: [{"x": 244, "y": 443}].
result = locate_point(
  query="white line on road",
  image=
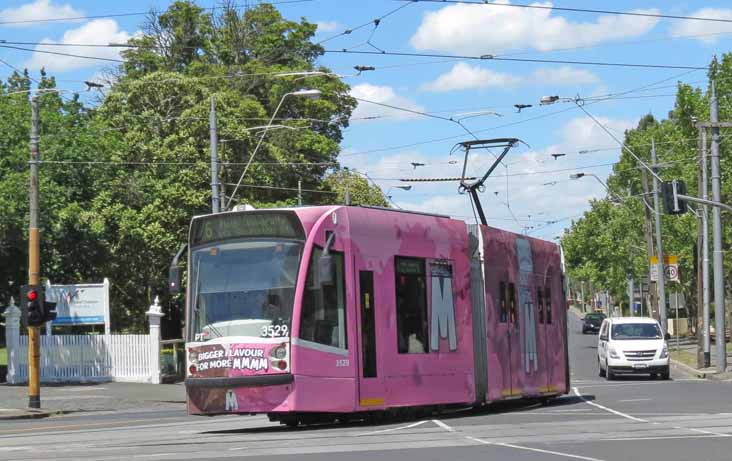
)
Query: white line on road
[
  {"x": 615, "y": 412},
  {"x": 537, "y": 450},
  {"x": 633, "y": 400},
  {"x": 660, "y": 437},
  {"x": 443, "y": 425},
  {"x": 701, "y": 431},
  {"x": 409, "y": 426}
]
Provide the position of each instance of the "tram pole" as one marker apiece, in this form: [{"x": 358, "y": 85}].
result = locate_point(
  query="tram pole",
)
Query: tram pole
[
  {"x": 214, "y": 136},
  {"x": 34, "y": 260},
  {"x": 661, "y": 287}
]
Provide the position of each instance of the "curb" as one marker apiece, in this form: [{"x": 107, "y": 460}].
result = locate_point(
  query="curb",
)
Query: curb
[
  {"x": 693, "y": 371},
  {"x": 25, "y": 414}
]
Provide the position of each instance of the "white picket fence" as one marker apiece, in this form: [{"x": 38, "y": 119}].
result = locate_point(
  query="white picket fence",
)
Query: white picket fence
[
  {"x": 68, "y": 358},
  {"x": 86, "y": 358}
]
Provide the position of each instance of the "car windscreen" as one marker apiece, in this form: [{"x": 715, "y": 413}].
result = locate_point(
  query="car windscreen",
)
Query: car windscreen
[{"x": 636, "y": 331}]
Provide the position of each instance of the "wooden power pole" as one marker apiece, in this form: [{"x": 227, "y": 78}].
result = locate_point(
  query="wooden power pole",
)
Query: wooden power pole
[{"x": 34, "y": 261}]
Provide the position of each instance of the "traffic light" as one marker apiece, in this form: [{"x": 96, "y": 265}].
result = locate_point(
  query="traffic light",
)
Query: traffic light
[
  {"x": 32, "y": 304},
  {"x": 36, "y": 309},
  {"x": 670, "y": 190}
]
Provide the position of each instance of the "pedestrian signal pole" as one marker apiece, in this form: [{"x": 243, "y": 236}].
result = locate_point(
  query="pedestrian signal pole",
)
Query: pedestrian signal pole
[{"x": 34, "y": 263}]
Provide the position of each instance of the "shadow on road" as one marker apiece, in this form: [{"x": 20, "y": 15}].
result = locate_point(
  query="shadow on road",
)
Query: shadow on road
[{"x": 377, "y": 420}]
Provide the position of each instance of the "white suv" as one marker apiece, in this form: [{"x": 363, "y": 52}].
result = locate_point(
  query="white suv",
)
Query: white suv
[{"x": 632, "y": 345}]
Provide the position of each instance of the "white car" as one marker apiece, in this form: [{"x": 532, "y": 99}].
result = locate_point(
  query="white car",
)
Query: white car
[{"x": 632, "y": 345}]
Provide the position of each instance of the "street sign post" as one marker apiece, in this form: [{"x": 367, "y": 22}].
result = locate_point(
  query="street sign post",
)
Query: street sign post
[{"x": 670, "y": 268}]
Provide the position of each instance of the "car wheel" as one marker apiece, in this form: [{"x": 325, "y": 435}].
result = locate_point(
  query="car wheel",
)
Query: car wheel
[
  {"x": 609, "y": 372},
  {"x": 600, "y": 370},
  {"x": 666, "y": 374}
]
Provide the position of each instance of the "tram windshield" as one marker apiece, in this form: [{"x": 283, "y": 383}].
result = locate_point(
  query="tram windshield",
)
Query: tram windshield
[{"x": 244, "y": 288}]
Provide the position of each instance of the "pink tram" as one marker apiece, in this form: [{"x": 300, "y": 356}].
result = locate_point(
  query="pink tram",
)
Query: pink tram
[{"x": 339, "y": 311}]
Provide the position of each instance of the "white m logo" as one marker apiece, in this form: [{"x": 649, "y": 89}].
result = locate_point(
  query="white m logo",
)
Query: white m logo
[{"x": 232, "y": 404}]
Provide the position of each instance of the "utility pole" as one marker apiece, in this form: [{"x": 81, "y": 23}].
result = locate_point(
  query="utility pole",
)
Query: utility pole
[
  {"x": 348, "y": 183},
  {"x": 652, "y": 299},
  {"x": 630, "y": 296},
  {"x": 34, "y": 261},
  {"x": 705, "y": 250},
  {"x": 214, "y": 158},
  {"x": 719, "y": 308},
  {"x": 661, "y": 286},
  {"x": 299, "y": 192}
]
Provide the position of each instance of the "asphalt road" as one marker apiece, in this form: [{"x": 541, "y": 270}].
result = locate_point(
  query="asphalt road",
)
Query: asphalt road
[{"x": 628, "y": 419}]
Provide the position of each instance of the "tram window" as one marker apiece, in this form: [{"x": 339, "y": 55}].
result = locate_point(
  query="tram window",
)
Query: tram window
[
  {"x": 548, "y": 297},
  {"x": 540, "y": 304},
  {"x": 503, "y": 314},
  {"x": 512, "y": 302},
  {"x": 411, "y": 305},
  {"x": 323, "y": 316}
]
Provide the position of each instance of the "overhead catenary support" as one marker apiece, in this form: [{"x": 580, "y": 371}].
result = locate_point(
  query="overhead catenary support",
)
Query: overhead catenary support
[
  {"x": 34, "y": 259},
  {"x": 719, "y": 308},
  {"x": 215, "y": 207},
  {"x": 705, "y": 251},
  {"x": 660, "y": 286}
]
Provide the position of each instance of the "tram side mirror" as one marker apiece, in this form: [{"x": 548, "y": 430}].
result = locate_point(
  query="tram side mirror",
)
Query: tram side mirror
[
  {"x": 325, "y": 269},
  {"x": 175, "y": 272},
  {"x": 174, "y": 279}
]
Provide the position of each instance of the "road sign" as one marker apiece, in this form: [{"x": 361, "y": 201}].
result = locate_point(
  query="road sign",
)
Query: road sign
[{"x": 670, "y": 267}]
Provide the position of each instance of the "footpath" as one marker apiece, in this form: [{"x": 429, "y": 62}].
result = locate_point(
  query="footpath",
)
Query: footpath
[{"x": 75, "y": 398}]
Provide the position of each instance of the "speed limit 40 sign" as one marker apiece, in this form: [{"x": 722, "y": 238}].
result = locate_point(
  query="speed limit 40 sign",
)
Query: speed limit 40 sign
[{"x": 670, "y": 268}]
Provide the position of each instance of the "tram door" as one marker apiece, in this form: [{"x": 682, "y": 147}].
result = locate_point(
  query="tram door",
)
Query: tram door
[{"x": 371, "y": 391}]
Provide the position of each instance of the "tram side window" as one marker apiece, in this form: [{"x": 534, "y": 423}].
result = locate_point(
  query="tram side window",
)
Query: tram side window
[
  {"x": 411, "y": 305},
  {"x": 512, "y": 302},
  {"x": 503, "y": 304},
  {"x": 548, "y": 297},
  {"x": 540, "y": 303},
  {"x": 323, "y": 317}
]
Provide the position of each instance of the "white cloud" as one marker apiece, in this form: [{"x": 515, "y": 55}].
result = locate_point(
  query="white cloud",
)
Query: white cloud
[
  {"x": 383, "y": 95},
  {"x": 38, "y": 10},
  {"x": 327, "y": 26},
  {"x": 486, "y": 29},
  {"x": 582, "y": 133},
  {"x": 97, "y": 32},
  {"x": 463, "y": 76},
  {"x": 564, "y": 75},
  {"x": 706, "y": 31}
]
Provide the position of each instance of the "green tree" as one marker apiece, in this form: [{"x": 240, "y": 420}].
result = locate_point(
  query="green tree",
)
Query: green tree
[{"x": 360, "y": 192}]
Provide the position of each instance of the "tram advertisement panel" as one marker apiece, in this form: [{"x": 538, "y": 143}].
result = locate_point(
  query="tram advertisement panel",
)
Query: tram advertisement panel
[{"x": 207, "y": 360}]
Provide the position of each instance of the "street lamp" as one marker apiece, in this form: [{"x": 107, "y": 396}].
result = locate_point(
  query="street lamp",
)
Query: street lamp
[
  {"x": 388, "y": 197},
  {"x": 306, "y": 93},
  {"x": 576, "y": 176}
]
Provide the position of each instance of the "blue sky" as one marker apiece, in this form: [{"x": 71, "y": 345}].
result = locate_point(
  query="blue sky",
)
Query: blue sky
[{"x": 529, "y": 193}]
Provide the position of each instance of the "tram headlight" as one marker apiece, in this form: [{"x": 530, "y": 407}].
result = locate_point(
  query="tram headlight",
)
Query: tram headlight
[{"x": 279, "y": 352}]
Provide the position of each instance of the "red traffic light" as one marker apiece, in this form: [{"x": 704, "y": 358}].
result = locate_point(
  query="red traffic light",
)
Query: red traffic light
[{"x": 32, "y": 295}]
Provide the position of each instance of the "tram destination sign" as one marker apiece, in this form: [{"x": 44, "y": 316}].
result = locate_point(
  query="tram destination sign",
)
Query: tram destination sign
[{"x": 249, "y": 224}]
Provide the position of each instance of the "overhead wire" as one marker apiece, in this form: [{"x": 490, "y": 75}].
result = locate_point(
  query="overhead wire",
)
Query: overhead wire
[
  {"x": 527, "y": 60},
  {"x": 576, "y": 10},
  {"x": 135, "y": 13}
]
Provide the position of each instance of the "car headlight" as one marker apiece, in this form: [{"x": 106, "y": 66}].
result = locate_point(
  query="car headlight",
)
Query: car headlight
[
  {"x": 613, "y": 353},
  {"x": 664, "y": 352}
]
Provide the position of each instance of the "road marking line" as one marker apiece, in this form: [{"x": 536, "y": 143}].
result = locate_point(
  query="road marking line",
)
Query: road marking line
[
  {"x": 615, "y": 412},
  {"x": 409, "y": 426},
  {"x": 238, "y": 448},
  {"x": 633, "y": 400},
  {"x": 630, "y": 439},
  {"x": 443, "y": 425},
  {"x": 702, "y": 431},
  {"x": 537, "y": 450}
]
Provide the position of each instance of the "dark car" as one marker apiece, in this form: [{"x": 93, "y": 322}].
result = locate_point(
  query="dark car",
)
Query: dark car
[{"x": 592, "y": 322}]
